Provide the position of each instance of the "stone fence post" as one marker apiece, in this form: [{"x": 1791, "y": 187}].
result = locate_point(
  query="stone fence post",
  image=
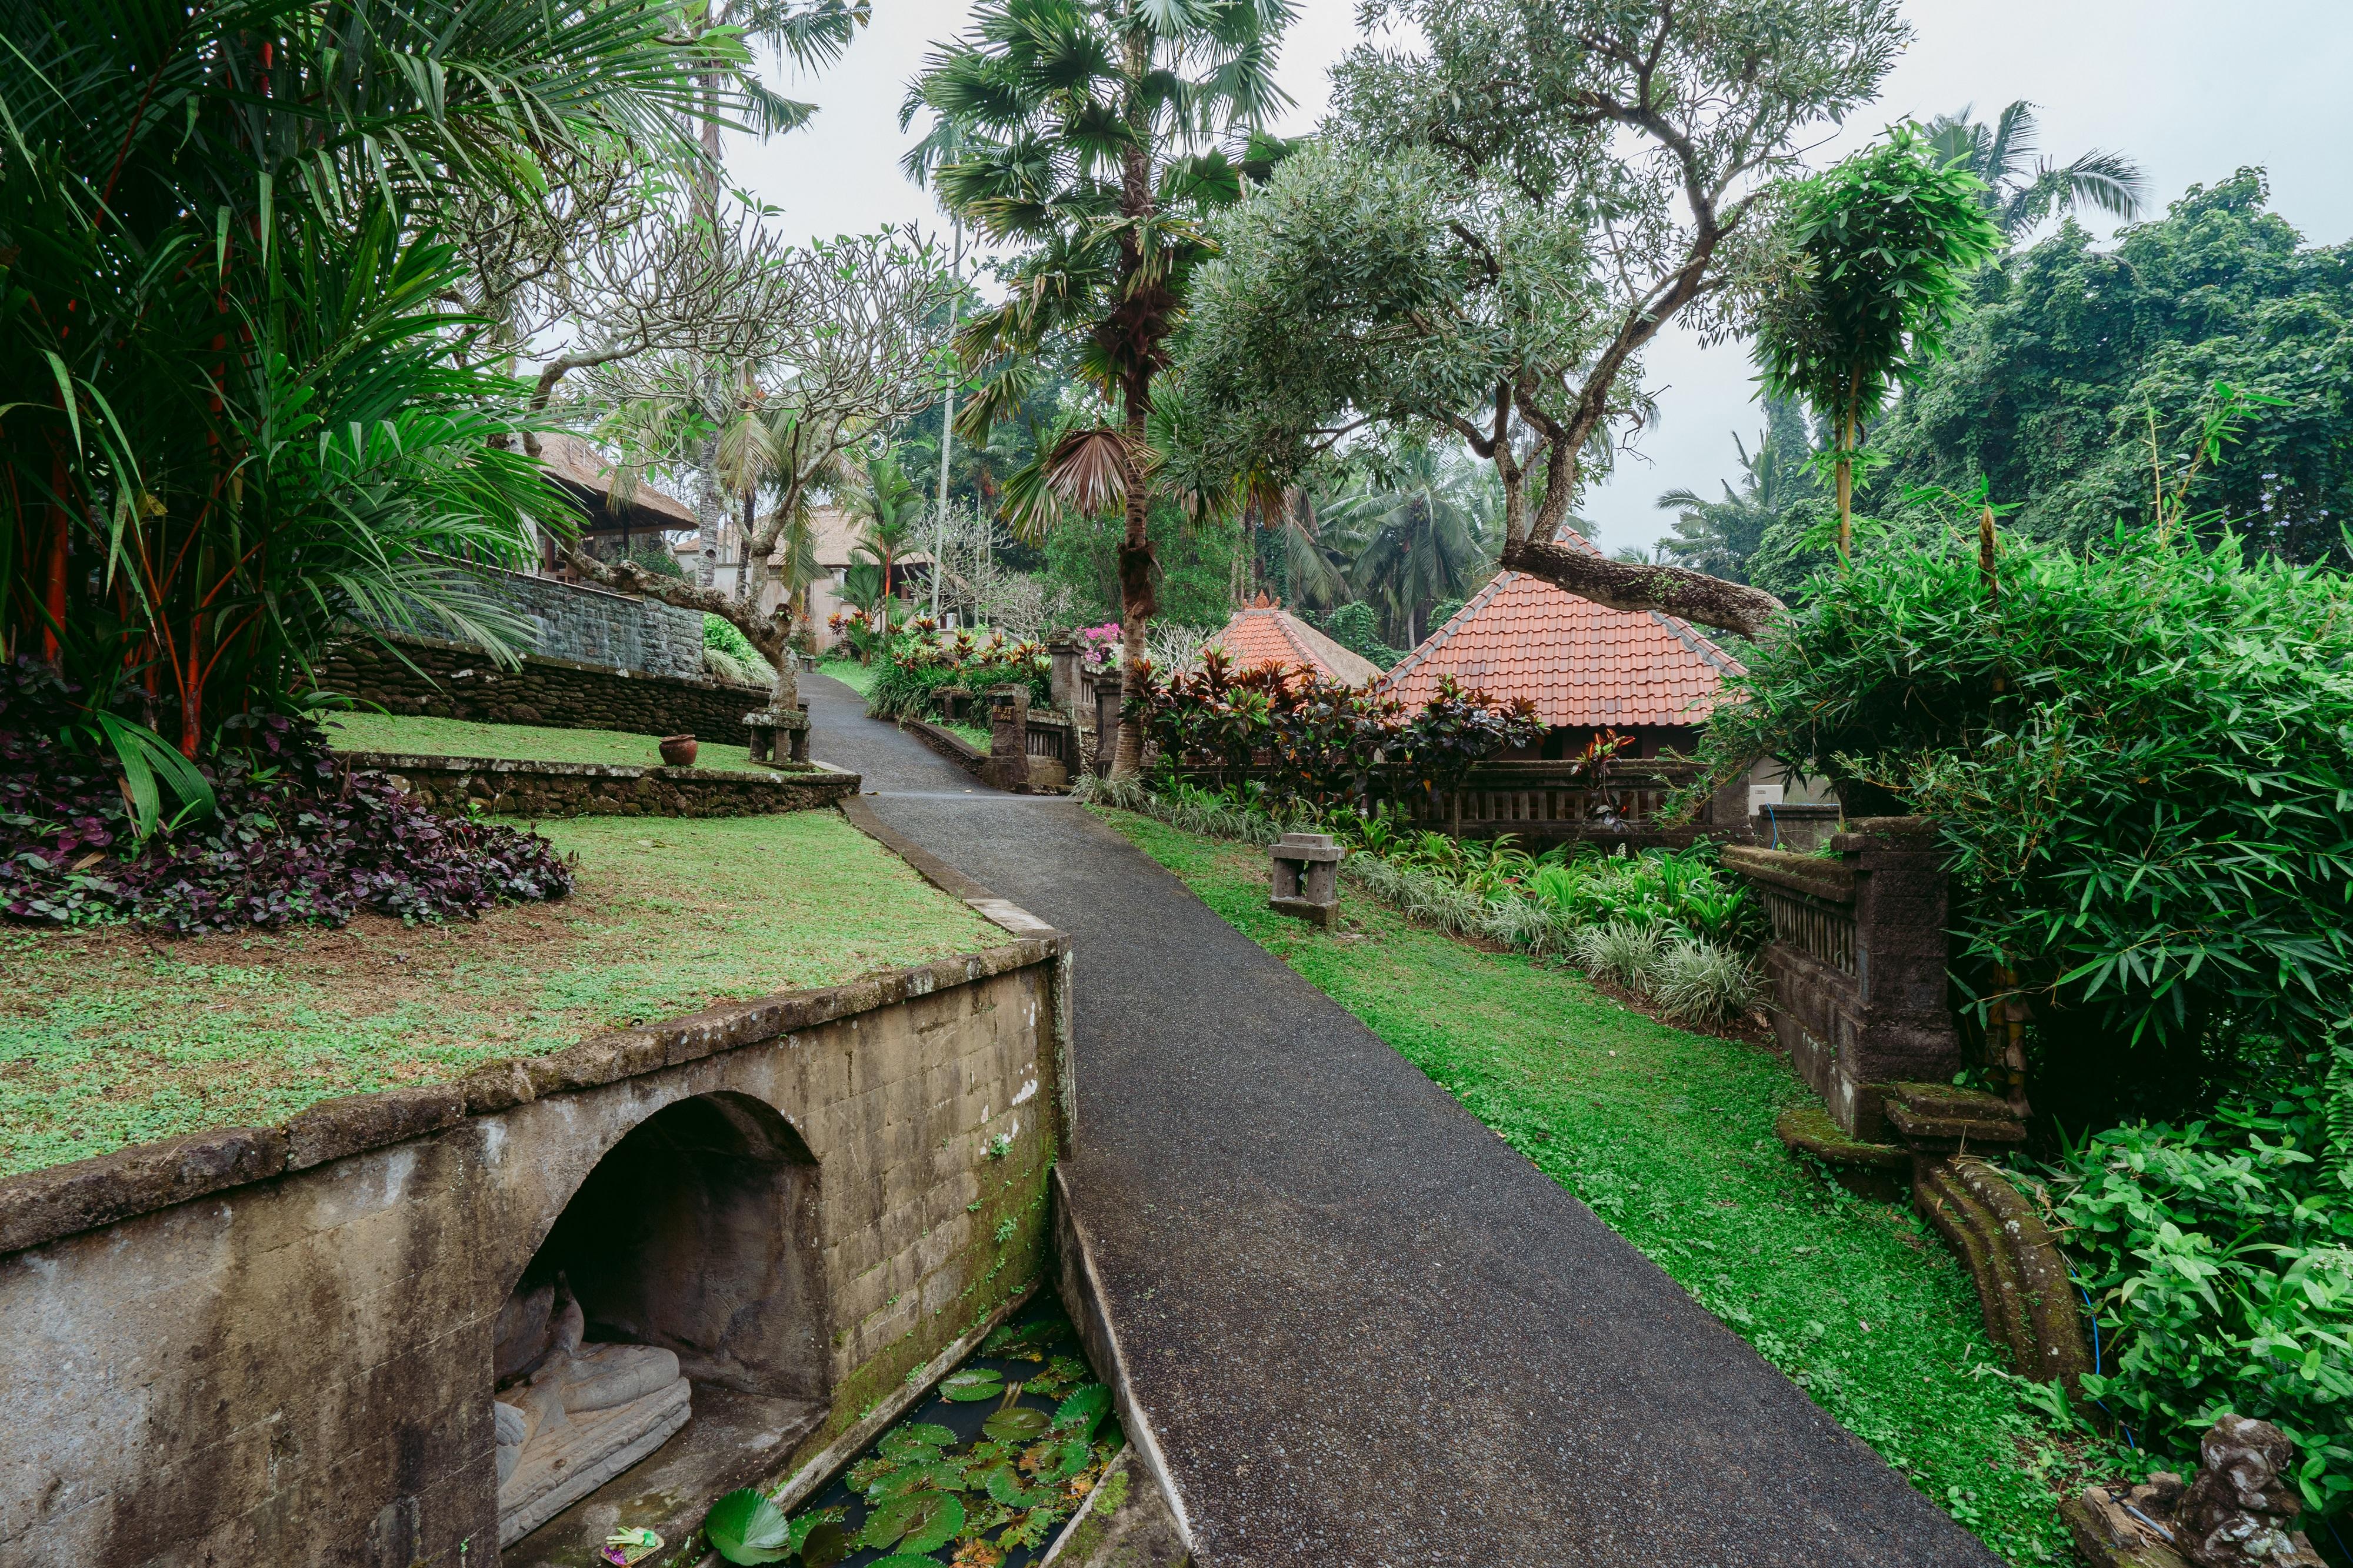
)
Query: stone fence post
[
  {"x": 1067, "y": 680},
  {"x": 1108, "y": 700},
  {"x": 1007, "y": 766}
]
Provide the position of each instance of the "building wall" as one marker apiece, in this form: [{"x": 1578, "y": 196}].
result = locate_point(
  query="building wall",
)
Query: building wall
[{"x": 296, "y": 1368}]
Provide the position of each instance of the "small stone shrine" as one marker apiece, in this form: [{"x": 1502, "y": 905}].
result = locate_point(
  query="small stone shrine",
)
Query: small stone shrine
[{"x": 1307, "y": 876}]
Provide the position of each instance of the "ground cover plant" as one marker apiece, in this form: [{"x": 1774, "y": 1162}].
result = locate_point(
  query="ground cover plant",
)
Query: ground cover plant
[
  {"x": 859, "y": 678},
  {"x": 108, "y": 1039},
  {"x": 985, "y": 1471},
  {"x": 2217, "y": 1259},
  {"x": 1668, "y": 1137},
  {"x": 267, "y": 829},
  {"x": 429, "y": 737}
]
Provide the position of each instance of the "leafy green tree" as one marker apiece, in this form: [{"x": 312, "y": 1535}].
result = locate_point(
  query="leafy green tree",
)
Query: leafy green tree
[
  {"x": 1888, "y": 239},
  {"x": 2073, "y": 356},
  {"x": 2022, "y": 190},
  {"x": 888, "y": 510},
  {"x": 1722, "y": 538},
  {"x": 1503, "y": 217},
  {"x": 1094, "y": 136}
]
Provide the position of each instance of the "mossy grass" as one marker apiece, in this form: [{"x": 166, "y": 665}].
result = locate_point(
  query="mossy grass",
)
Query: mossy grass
[
  {"x": 107, "y": 1038},
  {"x": 1670, "y": 1138},
  {"x": 859, "y": 678},
  {"x": 427, "y": 737}
]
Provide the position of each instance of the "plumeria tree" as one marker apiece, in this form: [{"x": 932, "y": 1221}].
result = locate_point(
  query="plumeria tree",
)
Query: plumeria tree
[
  {"x": 856, "y": 349},
  {"x": 1095, "y": 137}
]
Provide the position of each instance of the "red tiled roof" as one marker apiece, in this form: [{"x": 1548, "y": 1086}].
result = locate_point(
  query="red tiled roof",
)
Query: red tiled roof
[
  {"x": 1583, "y": 664},
  {"x": 1266, "y": 632}
]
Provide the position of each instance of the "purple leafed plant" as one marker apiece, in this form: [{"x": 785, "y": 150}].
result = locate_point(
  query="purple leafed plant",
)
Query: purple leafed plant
[{"x": 298, "y": 836}]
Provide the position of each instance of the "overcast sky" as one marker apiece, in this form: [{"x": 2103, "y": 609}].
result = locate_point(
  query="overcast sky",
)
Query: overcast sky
[{"x": 2191, "y": 90}]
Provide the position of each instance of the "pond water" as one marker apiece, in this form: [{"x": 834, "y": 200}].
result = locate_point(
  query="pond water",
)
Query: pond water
[{"x": 984, "y": 1473}]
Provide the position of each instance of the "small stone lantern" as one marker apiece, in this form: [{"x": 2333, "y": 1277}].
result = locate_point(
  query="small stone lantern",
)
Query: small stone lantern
[{"x": 1307, "y": 876}]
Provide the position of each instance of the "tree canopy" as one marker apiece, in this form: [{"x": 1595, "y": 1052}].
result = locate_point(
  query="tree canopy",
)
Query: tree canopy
[{"x": 1502, "y": 220}]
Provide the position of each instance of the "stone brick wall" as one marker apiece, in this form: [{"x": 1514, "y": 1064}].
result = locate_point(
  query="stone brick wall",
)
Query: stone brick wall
[
  {"x": 595, "y": 626},
  {"x": 507, "y": 788},
  {"x": 273, "y": 1345},
  {"x": 459, "y": 682}
]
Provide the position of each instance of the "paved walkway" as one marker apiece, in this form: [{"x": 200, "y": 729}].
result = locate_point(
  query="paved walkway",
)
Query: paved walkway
[{"x": 1367, "y": 1334}]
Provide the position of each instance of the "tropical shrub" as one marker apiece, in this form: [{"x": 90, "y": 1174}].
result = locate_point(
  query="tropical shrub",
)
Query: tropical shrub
[
  {"x": 294, "y": 837},
  {"x": 2141, "y": 764},
  {"x": 1619, "y": 951},
  {"x": 728, "y": 654},
  {"x": 1682, "y": 888},
  {"x": 1697, "y": 982},
  {"x": 921, "y": 662},
  {"x": 2217, "y": 1259}
]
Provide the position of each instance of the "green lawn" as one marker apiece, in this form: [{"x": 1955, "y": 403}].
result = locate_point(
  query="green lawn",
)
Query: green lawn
[
  {"x": 532, "y": 743},
  {"x": 1668, "y": 1137},
  {"x": 106, "y": 1039},
  {"x": 859, "y": 678}
]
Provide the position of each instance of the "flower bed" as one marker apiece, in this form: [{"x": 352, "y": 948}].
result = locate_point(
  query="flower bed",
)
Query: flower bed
[{"x": 922, "y": 663}]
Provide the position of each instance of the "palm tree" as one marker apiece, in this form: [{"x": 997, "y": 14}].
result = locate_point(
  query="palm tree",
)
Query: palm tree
[
  {"x": 1718, "y": 537},
  {"x": 889, "y": 509},
  {"x": 2021, "y": 189},
  {"x": 1097, "y": 135},
  {"x": 1416, "y": 536}
]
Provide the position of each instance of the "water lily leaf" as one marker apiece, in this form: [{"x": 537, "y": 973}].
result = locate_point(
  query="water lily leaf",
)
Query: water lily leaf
[
  {"x": 827, "y": 1544},
  {"x": 915, "y": 1521},
  {"x": 1083, "y": 1408},
  {"x": 1016, "y": 1422},
  {"x": 930, "y": 1433},
  {"x": 1030, "y": 1529},
  {"x": 1005, "y": 1486},
  {"x": 901, "y": 1448},
  {"x": 868, "y": 1470},
  {"x": 972, "y": 1384},
  {"x": 904, "y": 1560},
  {"x": 936, "y": 1477},
  {"x": 938, "y": 1526},
  {"x": 746, "y": 1527},
  {"x": 1075, "y": 1455}
]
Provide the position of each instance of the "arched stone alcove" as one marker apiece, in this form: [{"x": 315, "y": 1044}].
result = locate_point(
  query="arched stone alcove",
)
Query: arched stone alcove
[{"x": 686, "y": 1264}]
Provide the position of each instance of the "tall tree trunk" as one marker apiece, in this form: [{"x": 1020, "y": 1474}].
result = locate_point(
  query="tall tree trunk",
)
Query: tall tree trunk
[
  {"x": 1846, "y": 467},
  {"x": 947, "y": 435},
  {"x": 1135, "y": 604},
  {"x": 709, "y": 511}
]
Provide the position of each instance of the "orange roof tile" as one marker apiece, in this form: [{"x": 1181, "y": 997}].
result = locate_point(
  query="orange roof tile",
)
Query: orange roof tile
[
  {"x": 1584, "y": 665},
  {"x": 1266, "y": 632}
]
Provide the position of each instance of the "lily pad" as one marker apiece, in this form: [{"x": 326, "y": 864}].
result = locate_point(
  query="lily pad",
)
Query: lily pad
[
  {"x": 1083, "y": 1408},
  {"x": 936, "y": 1476},
  {"x": 972, "y": 1384},
  {"x": 1075, "y": 1455},
  {"x": 1004, "y": 1486},
  {"x": 929, "y": 1434},
  {"x": 919, "y": 1522},
  {"x": 1017, "y": 1422},
  {"x": 905, "y": 1560},
  {"x": 827, "y": 1544},
  {"x": 746, "y": 1527}
]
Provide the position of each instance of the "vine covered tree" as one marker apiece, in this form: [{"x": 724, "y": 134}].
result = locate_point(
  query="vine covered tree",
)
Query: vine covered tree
[
  {"x": 1504, "y": 218},
  {"x": 1096, "y": 136}
]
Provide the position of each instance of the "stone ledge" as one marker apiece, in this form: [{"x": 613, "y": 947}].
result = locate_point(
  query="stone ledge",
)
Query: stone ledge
[
  {"x": 510, "y": 786},
  {"x": 1828, "y": 880},
  {"x": 41, "y": 1206}
]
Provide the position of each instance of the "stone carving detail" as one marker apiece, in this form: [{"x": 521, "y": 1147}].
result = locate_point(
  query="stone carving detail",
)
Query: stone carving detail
[
  {"x": 2235, "y": 1514},
  {"x": 571, "y": 1415}
]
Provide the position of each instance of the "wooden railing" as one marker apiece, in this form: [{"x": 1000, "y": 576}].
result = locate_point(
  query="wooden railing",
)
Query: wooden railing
[{"x": 1547, "y": 800}]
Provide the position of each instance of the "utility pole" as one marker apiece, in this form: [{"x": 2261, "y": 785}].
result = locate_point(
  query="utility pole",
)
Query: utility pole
[{"x": 948, "y": 430}]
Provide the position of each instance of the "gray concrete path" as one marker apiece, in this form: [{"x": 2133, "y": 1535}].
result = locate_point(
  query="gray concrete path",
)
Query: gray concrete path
[{"x": 1366, "y": 1332}]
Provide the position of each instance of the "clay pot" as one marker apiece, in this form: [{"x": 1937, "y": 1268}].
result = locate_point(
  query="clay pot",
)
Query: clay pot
[{"x": 678, "y": 751}]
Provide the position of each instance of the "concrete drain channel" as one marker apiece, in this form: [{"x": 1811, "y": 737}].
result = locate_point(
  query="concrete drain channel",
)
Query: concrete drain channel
[{"x": 990, "y": 1470}]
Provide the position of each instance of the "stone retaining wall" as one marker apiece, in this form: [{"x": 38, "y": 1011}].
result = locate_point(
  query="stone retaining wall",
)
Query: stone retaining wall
[
  {"x": 508, "y": 788},
  {"x": 461, "y": 682},
  {"x": 594, "y": 626},
  {"x": 273, "y": 1344}
]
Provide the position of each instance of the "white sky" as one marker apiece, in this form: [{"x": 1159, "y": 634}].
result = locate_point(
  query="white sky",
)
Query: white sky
[{"x": 2191, "y": 90}]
